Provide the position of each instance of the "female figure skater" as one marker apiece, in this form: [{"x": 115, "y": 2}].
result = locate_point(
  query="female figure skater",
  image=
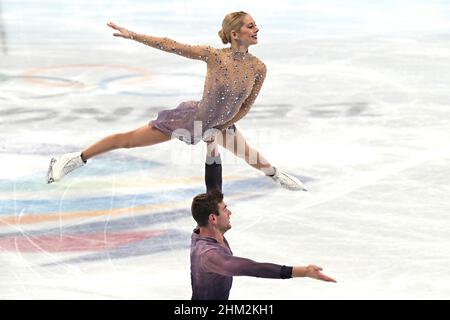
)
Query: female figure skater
[{"x": 233, "y": 80}]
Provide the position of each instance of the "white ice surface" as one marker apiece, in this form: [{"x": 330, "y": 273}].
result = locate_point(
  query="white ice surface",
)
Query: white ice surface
[{"x": 356, "y": 101}]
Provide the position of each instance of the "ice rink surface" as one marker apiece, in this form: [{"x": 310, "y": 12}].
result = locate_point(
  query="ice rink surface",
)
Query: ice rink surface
[{"x": 356, "y": 103}]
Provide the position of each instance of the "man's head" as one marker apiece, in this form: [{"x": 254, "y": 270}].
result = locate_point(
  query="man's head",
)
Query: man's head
[{"x": 209, "y": 210}]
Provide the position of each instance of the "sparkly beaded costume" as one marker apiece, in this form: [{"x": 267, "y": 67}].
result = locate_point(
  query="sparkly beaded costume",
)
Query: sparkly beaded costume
[{"x": 233, "y": 81}]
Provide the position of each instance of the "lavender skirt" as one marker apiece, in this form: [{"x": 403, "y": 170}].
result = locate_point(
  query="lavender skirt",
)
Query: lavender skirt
[{"x": 179, "y": 122}]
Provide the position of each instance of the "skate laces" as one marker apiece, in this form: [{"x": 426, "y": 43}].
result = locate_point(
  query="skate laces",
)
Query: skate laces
[
  {"x": 70, "y": 166},
  {"x": 284, "y": 178}
]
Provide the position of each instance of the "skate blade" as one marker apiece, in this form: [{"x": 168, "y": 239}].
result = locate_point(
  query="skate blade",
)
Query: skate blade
[
  {"x": 283, "y": 186},
  {"x": 50, "y": 171},
  {"x": 299, "y": 187},
  {"x": 296, "y": 188}
]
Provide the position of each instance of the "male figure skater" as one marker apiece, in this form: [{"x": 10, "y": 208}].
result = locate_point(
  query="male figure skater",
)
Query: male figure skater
[{"x": 212, "y": 262}]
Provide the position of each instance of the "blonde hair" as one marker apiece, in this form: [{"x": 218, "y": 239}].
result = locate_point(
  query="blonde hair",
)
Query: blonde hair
[{"x": 232, "y": 21}]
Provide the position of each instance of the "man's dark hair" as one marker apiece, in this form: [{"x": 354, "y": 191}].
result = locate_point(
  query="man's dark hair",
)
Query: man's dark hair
[{"x": 204, "y": 204}]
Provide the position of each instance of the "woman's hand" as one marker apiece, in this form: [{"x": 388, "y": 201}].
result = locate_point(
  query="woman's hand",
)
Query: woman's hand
[{"x": 124, "y": 33}]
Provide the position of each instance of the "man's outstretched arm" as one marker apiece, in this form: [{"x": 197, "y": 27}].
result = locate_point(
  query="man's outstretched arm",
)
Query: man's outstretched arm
[{"x": 227, "y": 265}]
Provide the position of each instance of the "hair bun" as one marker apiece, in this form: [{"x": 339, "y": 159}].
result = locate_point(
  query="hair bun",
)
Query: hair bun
[{"x": 223, "y": 37}]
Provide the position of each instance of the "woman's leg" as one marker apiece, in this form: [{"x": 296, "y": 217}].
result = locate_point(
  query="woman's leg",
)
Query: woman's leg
[
  {"x": 234, "y": 141},
  {"x": 141, "y": 137}
]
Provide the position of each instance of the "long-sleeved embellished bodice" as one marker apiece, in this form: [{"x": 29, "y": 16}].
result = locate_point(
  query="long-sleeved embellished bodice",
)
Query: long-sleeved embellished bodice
[{"x": 233, "y": 80}]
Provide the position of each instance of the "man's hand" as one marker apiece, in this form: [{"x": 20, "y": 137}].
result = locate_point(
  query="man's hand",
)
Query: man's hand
[
  {"x": 311, "y": 271},
  {"x": 124, "y": 33}
]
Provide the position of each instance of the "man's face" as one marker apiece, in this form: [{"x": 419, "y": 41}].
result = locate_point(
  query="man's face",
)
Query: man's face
[{"x": 223, "y": 219}]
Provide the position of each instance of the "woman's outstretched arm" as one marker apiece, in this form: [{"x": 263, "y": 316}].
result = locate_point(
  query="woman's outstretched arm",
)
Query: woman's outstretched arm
[{"x": 193, "y": 52}]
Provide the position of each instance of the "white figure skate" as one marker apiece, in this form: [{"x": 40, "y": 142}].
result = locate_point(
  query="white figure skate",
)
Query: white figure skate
[
  {"x": 287, "y": 181},
  {"x": 61, "y": 166}
]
